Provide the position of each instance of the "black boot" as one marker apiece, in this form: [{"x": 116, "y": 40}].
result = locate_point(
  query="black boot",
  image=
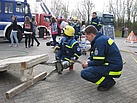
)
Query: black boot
[
  {"x": 38, "y": 44},
  {"x": 106, "y": 88}
]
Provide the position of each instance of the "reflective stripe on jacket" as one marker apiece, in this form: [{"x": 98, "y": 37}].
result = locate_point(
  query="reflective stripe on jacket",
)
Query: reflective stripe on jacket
[
  {"x": 96, "y": 22},
  {"x": 69, "y": 49},
  {"x": 106, "y": 55}
]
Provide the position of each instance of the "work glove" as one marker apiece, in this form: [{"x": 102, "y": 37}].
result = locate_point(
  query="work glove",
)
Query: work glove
[
  {"x": 56, "y": 48},
  {"x": 71, "y": 62}
]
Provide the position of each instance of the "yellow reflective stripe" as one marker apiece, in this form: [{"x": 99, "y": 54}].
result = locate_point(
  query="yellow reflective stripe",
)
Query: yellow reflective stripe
[
  {"x": 102, "y": 58},
  {"x": 76, "y": 55},
  {"x": 67, "y": 59},
  {"x": 94, "y": 23},
  {"x": 100, "y": 81},
  {"x": 99, "y": 24},
  {"x": 115, "y": 73},
  {"x": 110, "y": 41},
  {"x": 71, "y": 45},
  {"x": 91, "y": 52},
  {"x": 106, "y": 63}
]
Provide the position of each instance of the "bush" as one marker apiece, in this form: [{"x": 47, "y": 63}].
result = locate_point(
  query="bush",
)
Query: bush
[
  {"x": 135, "y": 32},
  {"x": 118, "y": 33}
]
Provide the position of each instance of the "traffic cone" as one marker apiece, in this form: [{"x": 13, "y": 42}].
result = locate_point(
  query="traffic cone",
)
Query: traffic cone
[
  {"x": 45, "y": 35},
  {"x": 131, "y": 38}
]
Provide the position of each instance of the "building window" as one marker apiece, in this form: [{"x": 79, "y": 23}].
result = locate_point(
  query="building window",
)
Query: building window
[
  {"x": 46, "y": 19},
  {"x": 8, "y": 7},
  {"x": 19, "y": 7}
]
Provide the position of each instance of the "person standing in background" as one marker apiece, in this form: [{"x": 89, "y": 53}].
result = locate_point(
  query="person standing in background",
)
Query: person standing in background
[
  {"x": 27, "y": 31},
  {"x": 126, "y": 31},
  {"x": 123, "y": 31},
  {"x": 54, "y": 30},
  {"x": 75, "y": 24},
  {"x": 13, "y": 34},
  {"x": 95, "y": 21},
  {"x": 83, "y": 26},
  {"x": 34, "y": 33}
]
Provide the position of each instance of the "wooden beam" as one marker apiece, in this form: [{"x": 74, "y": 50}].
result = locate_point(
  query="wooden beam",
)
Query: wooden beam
[
  {"x": 25, "y": 62},
  {"x": 16, "y": 90}
]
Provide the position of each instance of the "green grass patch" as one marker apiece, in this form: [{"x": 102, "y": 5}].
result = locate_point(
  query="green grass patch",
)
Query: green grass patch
[{"x": 118, "y": 33}]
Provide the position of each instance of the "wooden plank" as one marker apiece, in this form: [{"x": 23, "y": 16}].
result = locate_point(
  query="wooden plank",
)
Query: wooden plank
[
  {"x": 26, "y": 61},
  {"x": 34, "y": 62},
  {"x": 23, "y": 63},
  {"x": 16, "y": 90},
  {"x": 21, "y": 59}
]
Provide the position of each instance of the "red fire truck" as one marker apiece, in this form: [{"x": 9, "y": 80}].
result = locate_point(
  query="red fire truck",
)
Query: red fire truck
[
  {"x": 42, "y": 20},
  {"x": 42, "y": 23}
]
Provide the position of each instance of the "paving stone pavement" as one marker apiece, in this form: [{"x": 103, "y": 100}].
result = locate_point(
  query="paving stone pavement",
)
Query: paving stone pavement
[{"x": 68, "y": 87}]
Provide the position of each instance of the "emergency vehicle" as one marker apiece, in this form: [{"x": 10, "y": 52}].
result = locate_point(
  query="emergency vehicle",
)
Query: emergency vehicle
[
  {"x": 108, "y": 25},
  {"x": 42, "y": 23},
  {"x": 7, "y": 9},
  {"x": 43, "y": 20}
]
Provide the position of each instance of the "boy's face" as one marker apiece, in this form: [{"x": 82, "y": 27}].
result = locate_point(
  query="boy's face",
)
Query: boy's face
[
  {"x": 75, "y": 21},
  {"x": 94, "y": 15}
]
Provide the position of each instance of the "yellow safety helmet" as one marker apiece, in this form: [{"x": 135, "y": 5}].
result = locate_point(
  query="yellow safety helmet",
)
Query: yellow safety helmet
[
  {"x": 75, "y": 18},
  {"x": 69, "y": 30}
]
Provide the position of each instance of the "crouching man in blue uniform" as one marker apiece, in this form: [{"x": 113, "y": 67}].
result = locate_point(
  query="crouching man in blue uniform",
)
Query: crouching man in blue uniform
[
  {"x": 68, "y": 49},
  {"x": 104, "y": 63}
]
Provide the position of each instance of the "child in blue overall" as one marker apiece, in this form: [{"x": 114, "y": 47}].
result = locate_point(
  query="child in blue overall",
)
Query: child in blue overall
[{"x": 68, "y": 48}]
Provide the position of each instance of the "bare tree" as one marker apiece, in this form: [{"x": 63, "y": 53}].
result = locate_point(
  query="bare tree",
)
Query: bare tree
[
  {"x": 55, "y": 7},
  {"x": 125, "y": 10},
  {"x": 129, "y": 8},
  {"x": 134, "y": 11},
  {"x": 64, "y": 10},
  {"x": 134, "y": 14},
  {"x": 118, "y": 8},
  {"x": 58, "y": 8},
  {"x": 75, "y": 13},
  {"x": 84, "y": 10}
]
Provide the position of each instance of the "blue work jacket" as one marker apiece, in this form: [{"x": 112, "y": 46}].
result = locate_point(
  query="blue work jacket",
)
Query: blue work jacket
[
  {"x": 105, "y": 55},
  {"x": 69, "y": 49},
  {"x": 96, "y": 22}
]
